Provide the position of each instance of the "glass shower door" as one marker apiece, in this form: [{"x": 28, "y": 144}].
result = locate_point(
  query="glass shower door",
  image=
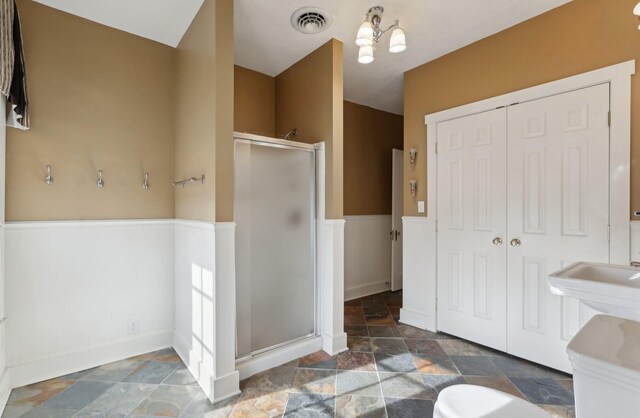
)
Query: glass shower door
[{"x": 275, "y": 245}]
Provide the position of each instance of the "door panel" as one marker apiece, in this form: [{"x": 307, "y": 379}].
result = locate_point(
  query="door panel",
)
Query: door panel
[
  {"x": 558, "y": 207},
  {"x": 396, "y": 219},
  {"x": 471, "y": 213}
]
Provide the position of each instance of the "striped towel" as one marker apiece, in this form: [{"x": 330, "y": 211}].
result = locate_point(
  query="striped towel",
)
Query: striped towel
[
  {"x": 12, "y": 66},
  {"x": 7, "y": 51}
]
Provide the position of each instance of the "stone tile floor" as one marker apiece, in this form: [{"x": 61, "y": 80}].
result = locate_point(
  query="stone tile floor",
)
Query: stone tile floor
[{"x": 391, "y": 370}]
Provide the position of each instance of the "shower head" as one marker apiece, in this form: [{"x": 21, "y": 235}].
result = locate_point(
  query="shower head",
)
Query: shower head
[{"x": 291, "y": 134}]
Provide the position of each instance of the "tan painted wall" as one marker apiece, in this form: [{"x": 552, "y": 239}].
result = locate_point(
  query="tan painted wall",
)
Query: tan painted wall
[
  {"x": 580, "y": 36},
  {"x": 309, "y": 97},
  {"x": 195, "y": 117},
  {"x": 224, "y": 110},
  {"x": 100, "y": 99},
  {"x": 369, "y": 137},
  {"x": 254, "y": 102}
]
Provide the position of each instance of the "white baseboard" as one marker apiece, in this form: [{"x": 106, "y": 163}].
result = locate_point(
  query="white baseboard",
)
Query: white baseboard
[
  {"x": 201, "y": 371},
  {"x": 278, "y": 357},
  {"x": 334, "y": 344},
  {"x": 75, "y": 361},
  {"x": 365, "y": 290},
  {"x": 5, "y": 390},
  {"x": 416, "y": 319}
]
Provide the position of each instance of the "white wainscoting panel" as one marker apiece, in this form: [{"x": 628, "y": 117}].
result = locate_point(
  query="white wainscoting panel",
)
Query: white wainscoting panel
[
  {"x": 419, "y": 270},
  {"x": 73, "y": 286},
  {"x": 194, "y": 299},
  {"x": 367, "y": 255},
  {"x": 635, "y": 241}
]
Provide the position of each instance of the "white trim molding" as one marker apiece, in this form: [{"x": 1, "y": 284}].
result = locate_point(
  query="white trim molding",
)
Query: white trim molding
[
  {"x": 331, "y": 276},
  {"x": 227, "y": 379},
  {"x": 418, "y": 264},
  {"x": 619, "y": 78}
]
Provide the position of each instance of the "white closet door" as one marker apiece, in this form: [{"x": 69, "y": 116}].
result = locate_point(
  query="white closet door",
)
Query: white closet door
[
  {"x": 558, "y": 213},
  {"x": 471, "y": 223}
]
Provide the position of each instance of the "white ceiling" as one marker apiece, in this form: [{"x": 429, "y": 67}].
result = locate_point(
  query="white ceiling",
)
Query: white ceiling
[
  {"x": 266, "y": 42},
  {"x": 164, "y": 21}
]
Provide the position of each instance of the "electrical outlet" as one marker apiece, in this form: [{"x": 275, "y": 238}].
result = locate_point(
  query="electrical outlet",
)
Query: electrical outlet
[{"x": 133, "y": 326}]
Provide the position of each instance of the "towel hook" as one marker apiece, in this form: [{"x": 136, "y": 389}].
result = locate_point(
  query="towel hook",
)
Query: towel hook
[
  {"x": 48, "y": 178},
  {"x": 100, "y": 182},
  {"x": 145, "y": 183}
]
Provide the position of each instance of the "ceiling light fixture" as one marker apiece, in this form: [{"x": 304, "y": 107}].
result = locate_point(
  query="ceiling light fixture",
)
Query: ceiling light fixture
[{"x": 369, "y": 33}]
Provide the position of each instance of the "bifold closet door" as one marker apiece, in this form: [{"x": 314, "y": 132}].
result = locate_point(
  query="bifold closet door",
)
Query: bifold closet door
[
  {"x": 558, "y": 213},
  {"x": 275, "y": 245},
  {"x": 471, "y": 228}
]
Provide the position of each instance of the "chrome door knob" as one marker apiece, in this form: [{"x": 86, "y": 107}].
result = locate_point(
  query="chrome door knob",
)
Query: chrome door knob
[
  {"x": 515, "y": 242},
  {"x": 497, "y": 241}
]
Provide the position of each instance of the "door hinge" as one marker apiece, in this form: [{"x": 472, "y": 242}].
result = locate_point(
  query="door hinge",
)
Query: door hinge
[
  {"x": 609, "y": 118},
  {"x": 609, "y": 233},
  {"x": 436, "y": 147}
]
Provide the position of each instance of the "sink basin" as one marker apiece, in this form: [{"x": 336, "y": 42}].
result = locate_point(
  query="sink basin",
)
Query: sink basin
[{"x": 608, "y": 288}]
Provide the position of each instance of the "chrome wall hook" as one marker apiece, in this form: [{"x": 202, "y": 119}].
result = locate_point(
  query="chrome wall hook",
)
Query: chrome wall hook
[
  {"x": 145, "y": 183},
  {"x": 48, "y": 178},
  {"x": 100, "y": 182}
]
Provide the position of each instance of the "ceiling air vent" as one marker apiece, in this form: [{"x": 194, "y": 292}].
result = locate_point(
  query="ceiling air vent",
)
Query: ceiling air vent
[{"x": 310, "y": 20}]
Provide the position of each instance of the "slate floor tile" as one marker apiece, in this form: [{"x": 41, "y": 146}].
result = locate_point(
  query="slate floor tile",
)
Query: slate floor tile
[
  {"x": 388, "y": 331},
  {"x": 49, "y": 413},
  {"x": 319, "y": 360},
  {"x": 180, "y": 376},
  {"x": 79, "y": 395},
  {"x": 424, "y": 347},
  {"x": 404, "y": 385},
  {"x": 543, "y": 391},
  {"x": 408, "y": 408},
  {"x": 388, "y": 345},
  {"x": 201, "y": 407},
  {"x": 476, "y": 365},
  {"x": 36, "y": 394},
  {"x": 150, "y": 372},
  {"x": 440, "y": 382},
  {"x": 350, "y": 360},
  {"x": 122, "y": 398},
  {"x": 358, "y": 384},
  {"x": 502, "y": 384},
  {"x": 113, "y": 372},
  {"x": 459, "y": 348},
  {"x": 427, "y": 364},
  {"x": 316, "y": 381},
  {"x": 15, "y": 411},
  {"x": 278, "y": 378},
  {"x": 514, "y": 367},
  {"x": 348, "y": 406},
  {"x": 310, "y": 406},
  {"x": 359, "y": 344},
  {"x": 166, "y": 401},
  {"x": 256, "y": 403},
  {"x": 559, "y": 411},
  {"x": 402, "y": 363}
]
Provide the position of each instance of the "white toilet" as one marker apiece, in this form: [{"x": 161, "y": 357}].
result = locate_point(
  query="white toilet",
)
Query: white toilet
[
  {"x": 605, "y": 356},
  {"x": 470, "y": 401}
]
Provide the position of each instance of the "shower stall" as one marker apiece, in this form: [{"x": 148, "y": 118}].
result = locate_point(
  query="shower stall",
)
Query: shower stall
[{"x": 275, "y": 213}]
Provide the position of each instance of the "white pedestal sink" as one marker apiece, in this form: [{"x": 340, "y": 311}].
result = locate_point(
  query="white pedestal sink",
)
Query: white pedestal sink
[
  {"x": 608, "y": 288},
  {"x": 605, "y": 353}
]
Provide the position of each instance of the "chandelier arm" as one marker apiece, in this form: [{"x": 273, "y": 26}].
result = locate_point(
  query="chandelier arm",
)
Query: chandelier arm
[{"x": 395, "y": 25}]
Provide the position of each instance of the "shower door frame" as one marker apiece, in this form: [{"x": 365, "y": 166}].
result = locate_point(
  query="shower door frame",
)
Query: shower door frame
[{"x": 315, "y": 207}]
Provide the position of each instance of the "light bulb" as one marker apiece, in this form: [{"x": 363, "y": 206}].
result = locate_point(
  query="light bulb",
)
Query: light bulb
[
  {"x": 636, "y": 10},
  {"x": 365, "y": 55}
]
